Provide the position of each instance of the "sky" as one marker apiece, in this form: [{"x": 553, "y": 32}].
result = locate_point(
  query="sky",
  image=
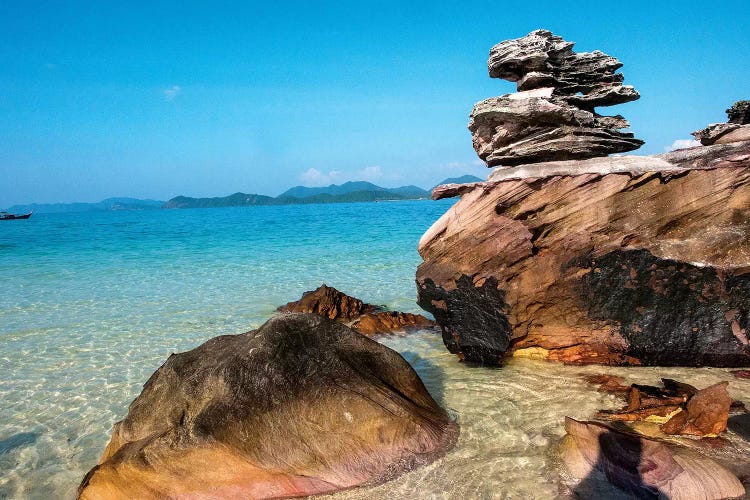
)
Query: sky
[{"x": 158, "y": 99}]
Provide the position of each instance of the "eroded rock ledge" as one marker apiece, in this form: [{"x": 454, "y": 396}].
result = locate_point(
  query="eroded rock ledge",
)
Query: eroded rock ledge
[{"x": 616, "y": 260}]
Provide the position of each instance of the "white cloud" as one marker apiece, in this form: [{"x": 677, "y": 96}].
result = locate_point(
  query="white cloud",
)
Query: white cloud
[
  {"x": 314, "y": 177},
  {"x": 171, "y": 92},
  {"x": 372, "y": 173},
  {"x": 682, "y": 144}
]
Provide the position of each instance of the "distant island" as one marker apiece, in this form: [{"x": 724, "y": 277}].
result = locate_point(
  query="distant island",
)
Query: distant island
[{"x": 348, "y": 192}]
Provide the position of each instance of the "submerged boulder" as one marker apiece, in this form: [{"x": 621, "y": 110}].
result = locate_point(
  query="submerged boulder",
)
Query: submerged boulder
[
  {"x": 367, "y": 319},
  {"x": 301, "y": 406},
  {"x": 598, "y": 457}
]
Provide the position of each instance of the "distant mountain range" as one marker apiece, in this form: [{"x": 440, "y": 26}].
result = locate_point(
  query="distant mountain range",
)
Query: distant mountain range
[
  {"x": 108, "y": 204},
  {"x": 347, "y": 192}
]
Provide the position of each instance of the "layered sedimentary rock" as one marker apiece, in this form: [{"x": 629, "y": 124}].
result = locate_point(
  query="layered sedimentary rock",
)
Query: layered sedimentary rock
[
  {"x": 552, "y": 117},
  {"x": 736, "y": 129},
  {"x": 301, "y": 406},
  {"x": 597, "y": 456},
  {"x": 620, "y": 260},
  {"x": 367, "y": 319}
]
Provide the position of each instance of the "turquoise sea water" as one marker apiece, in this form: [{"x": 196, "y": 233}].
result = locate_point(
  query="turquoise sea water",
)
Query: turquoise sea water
[{"x": 91, "y": 304}]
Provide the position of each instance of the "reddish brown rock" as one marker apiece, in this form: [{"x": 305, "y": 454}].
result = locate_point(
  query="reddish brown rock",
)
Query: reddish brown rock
[
  {"x": 620, "y": 260},
  {"x": 706, "y": 413},
  {"x": 597, "y": 455},
  {"x": 301, "y": 406},
  {"x": 366, "y": 319},
  {"x": 329, "y": 302},
  {"x": 741, "y": 374}
]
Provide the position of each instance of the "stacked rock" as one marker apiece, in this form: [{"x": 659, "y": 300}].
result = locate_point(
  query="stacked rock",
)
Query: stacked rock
[
  {"x": 552, "y": 116},
  {"x": 736, "y": 129}
]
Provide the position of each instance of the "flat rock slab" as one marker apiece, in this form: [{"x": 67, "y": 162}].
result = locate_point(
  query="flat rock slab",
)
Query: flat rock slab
[{"x": 301, "y": 406}]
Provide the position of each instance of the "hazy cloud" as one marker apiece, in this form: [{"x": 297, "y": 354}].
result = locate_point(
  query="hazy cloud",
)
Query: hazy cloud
[
  {"x": 682, "y": 144},
  {"x": 171, "y": 92},
  {"x": 314, "y": 177}
]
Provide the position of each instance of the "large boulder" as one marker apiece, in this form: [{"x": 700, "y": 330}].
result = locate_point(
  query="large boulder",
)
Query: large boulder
[
  {"x": 620, "y": 260},
  {"x": 301, "y": 406}
]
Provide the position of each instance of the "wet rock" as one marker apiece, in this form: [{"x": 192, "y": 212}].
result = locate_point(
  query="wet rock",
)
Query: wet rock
[
  {"x": 632, "y": 260},
  {"x": 608, "y": 383},
  {"x": 706, "y": 413},
  {"x": 365, "y": 318},
  {"x": 329, "y": 302},
  {"x": 301, "y": 406},
  {"x": 598, "y": 456},
  {"x": 552, "y": 116}
]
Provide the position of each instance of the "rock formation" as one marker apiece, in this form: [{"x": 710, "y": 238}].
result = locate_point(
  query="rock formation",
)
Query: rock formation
[
  {"x": 366, "y": 319},
  {"x": 561, "y": 255},
  {"x": 735, "y": 130},
  {"x": 632, "y": 260},
  {"x": 552, "y": 116},
  {"x": 680, "y": 408},
  {"x": 301, "y": 406},
  {"x": 597, "y": 455}
]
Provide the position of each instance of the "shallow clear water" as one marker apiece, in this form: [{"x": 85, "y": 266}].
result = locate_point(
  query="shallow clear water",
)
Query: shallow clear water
[{"x": 92, "y": 304}]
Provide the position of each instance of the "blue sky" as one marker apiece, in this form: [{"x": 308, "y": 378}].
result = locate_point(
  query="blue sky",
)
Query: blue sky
[{"x": 157, "y": 99}]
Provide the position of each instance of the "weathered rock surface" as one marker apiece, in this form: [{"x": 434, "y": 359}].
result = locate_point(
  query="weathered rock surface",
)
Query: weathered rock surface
[
  {"x": 597, "y": 455},
  {"x": 552, "y": 116},
  {"x": 735, "y": 130},
  {"x": 366, "y": 319},
  {"x": 301, "y": 406},
  {"x": 627, "y": 260},
  {"x": 680, "y": 408}
]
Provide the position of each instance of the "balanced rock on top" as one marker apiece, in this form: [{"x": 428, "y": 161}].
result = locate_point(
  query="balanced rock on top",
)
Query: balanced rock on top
[{"x": 552, "y": 116}]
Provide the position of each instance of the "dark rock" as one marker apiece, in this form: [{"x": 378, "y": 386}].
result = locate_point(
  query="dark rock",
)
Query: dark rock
[
  {"x": 631, "y": 260},
  {"x": 597, "y": 455},
  {"x": 366, "y": 319},
  {"x": 301, "y": 406},
  {"x": 552, "y": 116},
  {"x": 739, "y": 113}
]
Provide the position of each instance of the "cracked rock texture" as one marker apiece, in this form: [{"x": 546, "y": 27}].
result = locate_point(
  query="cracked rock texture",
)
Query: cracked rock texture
[
  {"x": 552, "y": 116},
  {"x": 736, "y": 129},
  {"x": 301, "y": 406},
  {"x": 633, "y": 260}
]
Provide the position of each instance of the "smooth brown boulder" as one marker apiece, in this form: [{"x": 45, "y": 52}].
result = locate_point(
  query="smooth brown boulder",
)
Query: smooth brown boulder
[
  {"x": 620, "y": 260},
  {"x": 597, "y": 456},
  {"x": 301, "y": 406},
  {"x": 367, "y": 319}
]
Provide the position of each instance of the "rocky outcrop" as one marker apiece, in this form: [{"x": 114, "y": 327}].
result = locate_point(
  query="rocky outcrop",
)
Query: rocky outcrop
[
  {"x": 552, "y": 116},
  {"x": 620, "y": 260},
  {"x": 597, "y": 455},
  {"x": 680, "y": 408},
  {"x": 364, "y": 318},
  {"x": 735, "y": 130},
  {"x": 301, "y": 406}
]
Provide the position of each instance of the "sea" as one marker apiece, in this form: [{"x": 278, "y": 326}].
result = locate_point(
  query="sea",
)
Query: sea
[{"x": 91, "y": 304}]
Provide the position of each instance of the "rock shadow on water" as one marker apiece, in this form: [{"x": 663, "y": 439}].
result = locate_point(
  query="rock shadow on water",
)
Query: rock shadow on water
[
  {"x": 740, "y": 425},
  {"x": 18, "y": 441},
  {"x": 618, "y": 472}
]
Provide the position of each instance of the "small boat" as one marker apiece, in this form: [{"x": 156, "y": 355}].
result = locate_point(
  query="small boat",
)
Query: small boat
[{"x": 7, "y": 216}]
